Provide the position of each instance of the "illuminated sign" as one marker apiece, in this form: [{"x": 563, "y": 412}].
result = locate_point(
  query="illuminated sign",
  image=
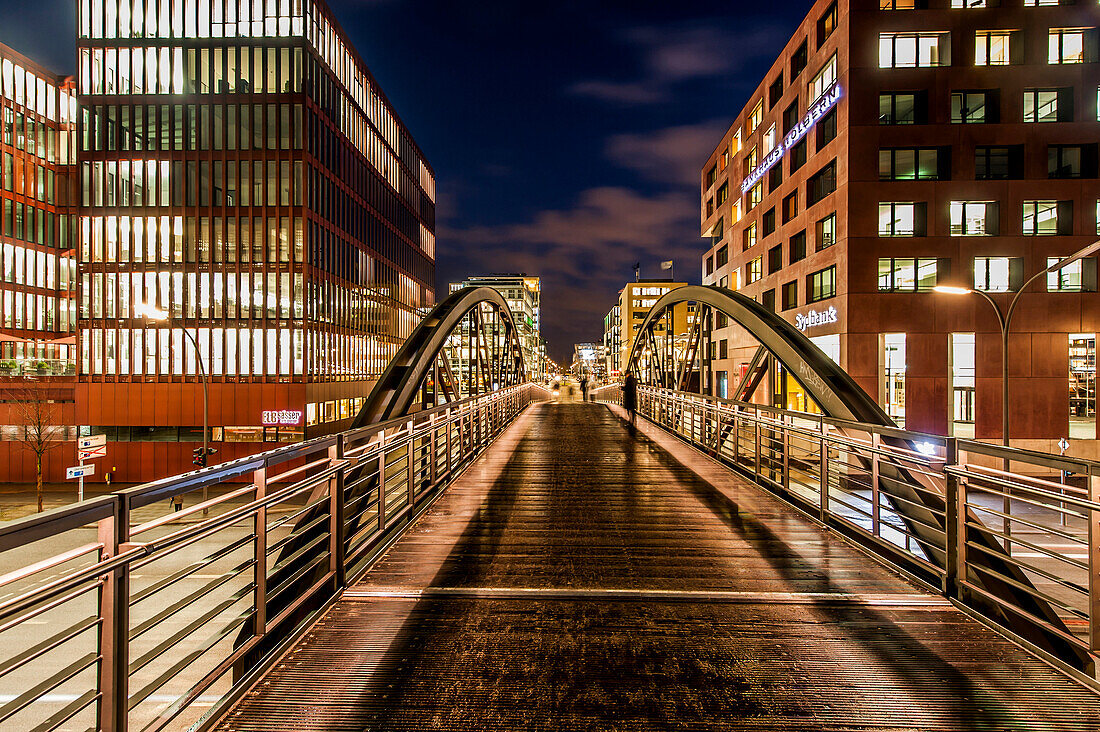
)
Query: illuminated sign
[
  {"x": 815, "y": 318},
  {"x": 813, "y": 114},
  {"x": 281, "y": 418}
]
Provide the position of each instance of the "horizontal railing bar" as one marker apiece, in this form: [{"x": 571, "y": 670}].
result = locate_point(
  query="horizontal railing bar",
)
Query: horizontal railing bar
[
  {"x": 1024, "y": 522},
  {"x": 21, "y": 659},
  {"x": 1041, "y": 622},
  {"x": 48, "y": 563},
  {"x": 1015, "y": 539},
  {"x": 48, "y": 524},
  {"x": 44, "y": 608},
  {"x": 183, "y": 513},
  {"x": 156, "y": 651},
  {"x": 51, "y": 682},
  {"x": 184, "y": 602},
  {"x": 221, "y": 553},
  {"x": 69, "y": 711},
  {"x": 981, "y": 480},
  {"x": 1061, "y": 581},
  {"x": 1030, "y": 590}
]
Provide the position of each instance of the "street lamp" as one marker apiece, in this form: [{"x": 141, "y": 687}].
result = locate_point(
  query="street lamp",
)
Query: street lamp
[
  {"x": 1004, "y": 319},
  {"x": 151, "y": 312}
]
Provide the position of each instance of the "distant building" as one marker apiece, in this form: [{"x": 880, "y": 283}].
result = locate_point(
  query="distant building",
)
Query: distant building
[
  {"x": 588, "y": 361},
  {"x": 612, "y": 341},
  {"x": 523, "y": 293},
  {"x": 635, "y": 301}
]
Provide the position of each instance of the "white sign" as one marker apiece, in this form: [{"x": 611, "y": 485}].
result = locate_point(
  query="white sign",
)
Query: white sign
[
  {"x": 813, "y": 114},
  {"x": 80, "y": 471},
  {"x": 85, "y": 443},
  {"x": 93, "y": 453},
  {"x": 815, "y": 318},
  {"x": 281, "y": 418}
]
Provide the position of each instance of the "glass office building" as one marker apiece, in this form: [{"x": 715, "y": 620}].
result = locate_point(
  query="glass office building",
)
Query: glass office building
[{"x": 241, "y": 172}]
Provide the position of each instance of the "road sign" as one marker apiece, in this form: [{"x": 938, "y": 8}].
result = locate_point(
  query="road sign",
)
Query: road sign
[
  {"x": 94, "y": 441},
  {"x": 92, "y": 453},
  {"x": 80, "y": 471}
]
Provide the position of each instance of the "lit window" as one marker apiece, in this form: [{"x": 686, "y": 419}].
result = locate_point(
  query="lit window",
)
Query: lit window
[
  {"x": 1041, "y": 105},
  {"x": 1098, "y": 217},
  {"x": 973, "y": 218},
  {"x": 908, "y": 50},
  {"x": 821, "y": 285},
  {"x": 824, "y": 79},
  {"x": 755, "y": 118},
  {"x": 735, "y": 143},
  {"x": 736, "y": 216},
  {"x": 897, "y": 219},
  {"x": 825, "y": 232},
  {"x": 769, "y": 140},
  {"x": 1034, "y": 3},
  {"x": 897, "y": 4},
  {"x": 1066, "y": 279},
  {"x": 908, "y": 163},
  {"x": 1040, "y": 218},
  {"x": 968, "y": 107},
  {"x": 905, "y": 274},
  {"x": 992, "y": 274},
  {"x": 1066, "y": 46},
  {"x": 991, "y": 48},
  {"x": 756, "y": 194},
  {"x": 748, "y": 236},
  {"x": 754, "y": 270},
  {"x": 897, "y": 108},
  {"x": 969, "y": 4}
]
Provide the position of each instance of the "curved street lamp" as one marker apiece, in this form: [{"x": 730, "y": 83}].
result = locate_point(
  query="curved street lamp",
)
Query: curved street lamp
[{"x": 1004, "y": 319}]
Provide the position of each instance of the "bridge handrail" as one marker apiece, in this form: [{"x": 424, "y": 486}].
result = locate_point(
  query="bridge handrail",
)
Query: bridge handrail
[
  {"x": 1031, "y": 509},
  {"x": 273, "y": 531}
]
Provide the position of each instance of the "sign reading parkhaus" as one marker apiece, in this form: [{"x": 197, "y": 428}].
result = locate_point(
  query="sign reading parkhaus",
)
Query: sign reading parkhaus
[{"x": 813, "y": 114}]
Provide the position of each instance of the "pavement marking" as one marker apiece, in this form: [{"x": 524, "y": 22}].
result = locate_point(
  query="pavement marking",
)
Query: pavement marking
[{"x": 634, "y": 595}]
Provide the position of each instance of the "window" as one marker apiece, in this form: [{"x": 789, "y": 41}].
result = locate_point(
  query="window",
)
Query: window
[
  {"x": 797, "y": 251},
  {"x": 973, "y": 107},
  {"x": 898, "y": 218},
  {"x": 1067, "y": 161},
  {"x": 907, "y": 274},
  {"x": 973, "y": 218},
  {"x": 798, "y": 155},
  {"x": 749, "y": 162},
  {"x": 735, "y": 143},
  {"x": 723, "y": 192},
  {"x": 767, "y": 299},
  {"x": 1066, "y": 46},
  {"x": 769, "y": 140},
  {"x": 826, "y": 130},
  {"x": 768, "y": 221},
  {"x": 972, "y": 3},
  {"x": 755, "y": 118},
  {"x": 748, "y": 237},
  {"x": 998, "y": 163},
  {"x": 991, "y": 48},
  {"x": 825, "y": 232},
  {"x": 756, "y": 194},
  {"x": 824, "y": 80},
  {"x": 1041, "y": 218},
  {"x": 754, "y": 270},
  {"x": 775, "y": 178},
  {"x": 790, "y": 116},
  {"x": 790, "y": 206},
  {"x": 909, "y": 163},
  {"x": 775, "y": 91},
  {"x": 712, "y": 176},
  {"x": 821, "y": 184},
  {"x": 708, "y": 266},
  {"x": 1079, "y": 276},
  {"x": 826, "y": 24},
  {"x": 996, "y": 274},
  {"x": 1048, "y": 105},
  {"x": 897, "y": 4},
  {"x": 909, "y": 50},
  {"x": 710, "y": 207},
  {"x": 897, "y": 108},
  {"x": 798, "y": 61},
  {"x": 790, "y": 295},
  {"x": 775, "y": 259},
  {"x": 722, "y": 257},
  {"x": 821, "y": 285}
]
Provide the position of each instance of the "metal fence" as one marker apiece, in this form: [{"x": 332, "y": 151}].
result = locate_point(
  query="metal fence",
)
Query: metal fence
[
  {"x": 961, "y": 516},
  {"x": 120, "y": 613}
]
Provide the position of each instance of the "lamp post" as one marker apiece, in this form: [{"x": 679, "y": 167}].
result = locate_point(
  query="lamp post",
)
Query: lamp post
[
  {"x": 151, "y": 312},
  {"x": 1004, "y": 319}
]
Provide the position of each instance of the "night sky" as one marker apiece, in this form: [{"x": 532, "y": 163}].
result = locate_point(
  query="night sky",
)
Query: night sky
[{"x": 566, "y": 141}]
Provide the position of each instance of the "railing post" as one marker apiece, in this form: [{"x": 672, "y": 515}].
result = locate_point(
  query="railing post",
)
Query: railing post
[
  {"x": 448, "y": 423},
  {"x": 259, "y": 571},
  {"x": 382, "y": 482},
  {"x": 785, "y": 475},
  {"x": 433, "y": 467},
  {"x": 336, "y": 546},
  {"x": 876, "y": 443},
  {"x": 410, "y": 466},
  {"x": 952, "y": 543},
  {"x": 823, "y": 481},
  {"x": 756, "y": 431},
  {"x": 1094, "y": 563},
  {"x": 114, "y": 631}
]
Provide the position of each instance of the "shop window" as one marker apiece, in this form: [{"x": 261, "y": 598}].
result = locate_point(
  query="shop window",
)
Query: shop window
[
  {"x": 1048, "y": 105},
  {"x": 821, "y": 184},
  {"x": 821, "y": 285},
  {"x": 973, "y": 107},
  {"x": 896, "y": 218},
  {"x": 998, "y": 274},
  {"x": 1047, "y": 218},
  {"x": 825, "y": 232},
  {"x": 797, "y": 250},
  {"x": 1066, "y": 46},
  {"x": 910, "y": 50},
  {"x": 900, "y": 108},
  {"x": 911, "y": 163},
  {"x": 908, "y": 274},
  {"x": 973, "y": 218}
]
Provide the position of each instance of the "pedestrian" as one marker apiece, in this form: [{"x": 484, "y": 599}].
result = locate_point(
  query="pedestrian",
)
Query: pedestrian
[
  {"x": 630, "y": 395},
  {"x": 177, "y": 502},
  {"x": 584, "y": 388}
]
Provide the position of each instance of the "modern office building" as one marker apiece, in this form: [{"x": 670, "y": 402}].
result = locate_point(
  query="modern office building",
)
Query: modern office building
[
  {"x": 897, "y": 145},
  {"x": 588, "y": 361},
  {"x": 612, "y": 341},
  {"x": 245, "y": 180},
  {"x": 37, "y": 229},
  {"x": 635, "y": 301},
  {"x": 523, "y": 293}
]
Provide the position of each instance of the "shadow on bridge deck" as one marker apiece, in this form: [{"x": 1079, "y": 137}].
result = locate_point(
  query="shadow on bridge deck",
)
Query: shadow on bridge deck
[{"x": 580, "y": 577}]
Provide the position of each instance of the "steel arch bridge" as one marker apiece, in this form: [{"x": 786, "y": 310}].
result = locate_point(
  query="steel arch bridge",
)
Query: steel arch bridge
[{"x": 659, "y": 358}]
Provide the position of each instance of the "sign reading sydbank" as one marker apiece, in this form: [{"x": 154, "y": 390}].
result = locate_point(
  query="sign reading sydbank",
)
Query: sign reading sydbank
[{"x": 813, "y": 114}]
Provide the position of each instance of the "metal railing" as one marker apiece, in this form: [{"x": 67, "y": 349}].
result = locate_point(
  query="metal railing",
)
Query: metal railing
[
  {"x": 120, "y": 613},
  {"x": 976, "y": 516}
]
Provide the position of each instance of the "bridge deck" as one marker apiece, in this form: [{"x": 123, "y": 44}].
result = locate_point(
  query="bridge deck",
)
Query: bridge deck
[{"x": 579, "y": 577}]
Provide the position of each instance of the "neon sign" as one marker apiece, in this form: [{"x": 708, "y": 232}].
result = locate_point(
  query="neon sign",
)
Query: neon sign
[
  {"x": 281, "y": 418},
  {"x": 826, "y": 102},
  {"x": 814, "y": 318}
]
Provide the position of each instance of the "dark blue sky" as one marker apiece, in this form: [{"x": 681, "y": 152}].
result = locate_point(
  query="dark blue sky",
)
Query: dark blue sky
[{"x": 566, "y": 141}]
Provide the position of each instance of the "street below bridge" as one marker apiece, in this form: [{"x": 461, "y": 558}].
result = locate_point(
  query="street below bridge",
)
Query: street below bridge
[{"x": 584, "y": 574}]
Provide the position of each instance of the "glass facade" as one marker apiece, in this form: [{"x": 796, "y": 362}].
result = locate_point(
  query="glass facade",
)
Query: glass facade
[
  {"x": 241, "y": 171},
  {"x": 37, "y": 222}
]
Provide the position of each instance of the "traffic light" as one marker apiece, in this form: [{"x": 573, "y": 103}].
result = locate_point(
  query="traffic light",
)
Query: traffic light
[
  {"x": 211, "y": 450},
  {"x": 198, "y": 457}
]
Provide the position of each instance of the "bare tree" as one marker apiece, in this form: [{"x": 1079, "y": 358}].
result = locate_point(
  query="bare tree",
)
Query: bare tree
[{"x": 39, "y": 421}]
